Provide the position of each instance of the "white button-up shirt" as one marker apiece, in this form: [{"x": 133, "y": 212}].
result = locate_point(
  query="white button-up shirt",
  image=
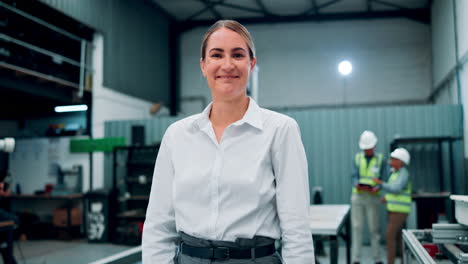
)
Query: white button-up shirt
[{"x": 254, "y": 182}]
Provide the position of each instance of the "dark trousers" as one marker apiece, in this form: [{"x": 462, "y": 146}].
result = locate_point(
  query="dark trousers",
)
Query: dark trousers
[
  {"x": 395, "y": 224},
  {"x": 7, "y": 216},
  {"x": 239, "y": 243}
]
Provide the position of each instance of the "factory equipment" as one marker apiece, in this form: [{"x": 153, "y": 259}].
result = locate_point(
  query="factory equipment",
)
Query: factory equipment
[
  {"x": 449, "y": 240},
  {"x": 69, "y": 180}
]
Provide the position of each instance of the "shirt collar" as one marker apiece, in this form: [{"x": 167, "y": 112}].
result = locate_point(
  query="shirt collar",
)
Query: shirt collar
[{"x": 252, "y": 116}]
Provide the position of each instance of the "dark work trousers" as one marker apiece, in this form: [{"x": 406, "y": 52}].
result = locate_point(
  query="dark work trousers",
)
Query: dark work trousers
[
  {"x": 6, "y": 216},
  {"x": 239, "y": 243}
]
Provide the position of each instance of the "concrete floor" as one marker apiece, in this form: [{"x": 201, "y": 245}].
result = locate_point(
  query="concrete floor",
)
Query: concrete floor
[
  {"x": 82, "y": 252},
  {"x": 62, "y": 252}
]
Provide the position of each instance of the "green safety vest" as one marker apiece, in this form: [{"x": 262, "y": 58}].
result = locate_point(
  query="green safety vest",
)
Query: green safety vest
[
  {"x": 401, "y": 202},
  {"x": 367, "y": 171}
]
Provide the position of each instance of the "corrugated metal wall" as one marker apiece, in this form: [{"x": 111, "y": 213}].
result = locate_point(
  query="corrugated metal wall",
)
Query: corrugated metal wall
[
  {"x": 331, "y": 138},
  {"x": 136, "y": 44}
]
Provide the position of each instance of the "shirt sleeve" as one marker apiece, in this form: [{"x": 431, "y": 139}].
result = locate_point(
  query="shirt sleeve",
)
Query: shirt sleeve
[
  {"x": 292, "y": 195},
  {"x": 399, "y": 184},
  {"x": 159, "y": 231}
]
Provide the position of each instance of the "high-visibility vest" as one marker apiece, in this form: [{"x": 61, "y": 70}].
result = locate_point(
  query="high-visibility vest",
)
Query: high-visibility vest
[
  {"x": 367, "y": 171},
  {"x": 401, "y": 202}
]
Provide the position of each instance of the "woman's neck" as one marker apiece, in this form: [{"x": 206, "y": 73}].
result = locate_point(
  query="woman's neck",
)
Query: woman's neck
[{"x": 223, "y": 113}]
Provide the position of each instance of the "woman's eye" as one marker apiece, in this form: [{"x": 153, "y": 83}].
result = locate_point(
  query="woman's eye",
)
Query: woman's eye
[
  {"x": 238, "y": 55},
  {"x": 216, "y": 55}
]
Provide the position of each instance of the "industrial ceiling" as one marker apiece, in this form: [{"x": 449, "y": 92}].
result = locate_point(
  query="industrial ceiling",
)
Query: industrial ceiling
[{"x": 192, "y": 13}]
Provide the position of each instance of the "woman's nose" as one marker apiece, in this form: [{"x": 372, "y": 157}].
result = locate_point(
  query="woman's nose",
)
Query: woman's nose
[{"x": 227, "y": 63}]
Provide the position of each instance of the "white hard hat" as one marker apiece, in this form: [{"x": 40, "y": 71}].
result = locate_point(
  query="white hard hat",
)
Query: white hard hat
[
  {"x": 368, "y": 140},
  {"x": 401, "y": 154}
]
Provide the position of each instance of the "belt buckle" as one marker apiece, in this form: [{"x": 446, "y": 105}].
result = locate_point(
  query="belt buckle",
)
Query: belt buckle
[{"x": 221, "y": 253}]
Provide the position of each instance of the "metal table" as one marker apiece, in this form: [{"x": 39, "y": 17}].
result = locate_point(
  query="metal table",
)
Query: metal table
[{"x": 332, "y": 220}]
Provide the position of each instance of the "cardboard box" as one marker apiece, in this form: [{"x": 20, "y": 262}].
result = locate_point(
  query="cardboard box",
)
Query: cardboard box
[{"x": 60, "y": 217}]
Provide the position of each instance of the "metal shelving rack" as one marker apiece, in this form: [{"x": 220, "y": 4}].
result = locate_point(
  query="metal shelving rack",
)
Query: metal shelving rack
[{"x": 132, "y": 178}]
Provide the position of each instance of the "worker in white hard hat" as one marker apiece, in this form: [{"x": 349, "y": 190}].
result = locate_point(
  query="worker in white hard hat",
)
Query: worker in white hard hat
[
  {"x": 365, "y": 198},
  {"x": 398, "y": 200}
]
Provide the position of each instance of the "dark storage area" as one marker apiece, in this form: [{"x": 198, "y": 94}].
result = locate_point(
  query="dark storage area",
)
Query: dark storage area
[{"x": 133, "y": 174}]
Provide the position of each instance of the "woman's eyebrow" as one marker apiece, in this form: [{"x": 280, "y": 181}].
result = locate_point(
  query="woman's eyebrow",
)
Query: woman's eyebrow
[
  {"x": 238, "y": 49},
  {"x": 232, "y": 50},
  {"x": 216, "y": 49}
]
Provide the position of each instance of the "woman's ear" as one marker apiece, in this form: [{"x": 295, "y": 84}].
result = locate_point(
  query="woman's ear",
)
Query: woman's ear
[
  {"x": 202, "y": 67},
  {"x": 253, "y": 63}
]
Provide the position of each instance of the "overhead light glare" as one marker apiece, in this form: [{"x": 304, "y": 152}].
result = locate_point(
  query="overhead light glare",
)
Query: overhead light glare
[
  {"x": 71, "y": 108},
  {"x": 345, "y": 68}
]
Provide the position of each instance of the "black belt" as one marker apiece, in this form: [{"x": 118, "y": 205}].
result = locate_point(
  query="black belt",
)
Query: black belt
[{"x": 225, "y": 253}]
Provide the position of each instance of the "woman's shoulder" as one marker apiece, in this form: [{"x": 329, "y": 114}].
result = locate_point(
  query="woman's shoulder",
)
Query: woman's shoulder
[
  {"x": 183, "y": 124},
  {"x": 277, "y": 119}
]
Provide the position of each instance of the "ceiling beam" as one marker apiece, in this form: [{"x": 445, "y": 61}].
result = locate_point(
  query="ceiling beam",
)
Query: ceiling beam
[
  {"x": 263, "y": 7},
  {"x": 160, "y": 9},
  {"x": 208, "y": 6},
  {"x": 242, "y": 8},
  {"x": 424, "y": 17},
  {"x": 329, "y": 3},
  {"x": 389, "y": 4},
  {"x": 211, "y": 8},
  {"x": 429, "y": 4},
  {"x": 421, "y": 15},
  {"x": 316, "y": 7}
]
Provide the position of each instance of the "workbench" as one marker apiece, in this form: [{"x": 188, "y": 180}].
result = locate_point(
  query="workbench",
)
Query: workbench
[
  {"x": 333, "y": 221},
  {"x": 67, "y": 201}
]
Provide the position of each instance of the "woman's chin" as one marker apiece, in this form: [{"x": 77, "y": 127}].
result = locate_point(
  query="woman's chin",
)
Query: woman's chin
[{"x": 229, "y": 92}]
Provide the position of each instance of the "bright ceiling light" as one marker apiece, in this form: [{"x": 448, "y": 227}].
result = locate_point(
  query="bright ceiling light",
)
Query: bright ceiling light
[
  {"x": 345, "y": 68},
  {"x": 7, "y": 145},
  {"x": 71, "y": 108}
]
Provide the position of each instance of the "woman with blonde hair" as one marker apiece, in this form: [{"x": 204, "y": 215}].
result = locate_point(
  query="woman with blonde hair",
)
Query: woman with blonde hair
[{"x": 231, "y": 180}]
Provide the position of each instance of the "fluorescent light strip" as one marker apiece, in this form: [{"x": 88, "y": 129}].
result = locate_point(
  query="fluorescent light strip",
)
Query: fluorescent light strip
[{"x": 71, "y": 108}]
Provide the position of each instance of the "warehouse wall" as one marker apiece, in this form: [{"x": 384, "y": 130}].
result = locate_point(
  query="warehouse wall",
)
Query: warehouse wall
[
  {"x": 109, "y": 105},
  {"x": 298, "y": 63},
  {"x": 8, "y": 128},
  {"x": 462, "y": 24},
  {"x": 330, "y": 138},
  {"x": 444, "y": 54},
  {"x": 136, "y": 44}
]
